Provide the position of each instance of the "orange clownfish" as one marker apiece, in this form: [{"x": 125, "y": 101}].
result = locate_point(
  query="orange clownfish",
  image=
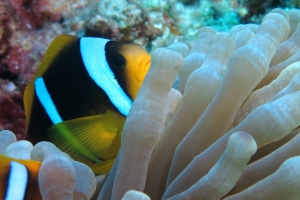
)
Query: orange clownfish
[{"x": 81, "y": 94}]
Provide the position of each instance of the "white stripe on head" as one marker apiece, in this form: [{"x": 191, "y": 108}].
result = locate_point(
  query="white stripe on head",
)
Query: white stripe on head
[
  {"x": 46, "y": 101},
  {"x": 93, "y": 56},
  {"x": 17, "y": 181}
]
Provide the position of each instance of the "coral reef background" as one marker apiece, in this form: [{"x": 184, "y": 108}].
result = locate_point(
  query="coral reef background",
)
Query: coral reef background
[{"x": 28, "y": 26}]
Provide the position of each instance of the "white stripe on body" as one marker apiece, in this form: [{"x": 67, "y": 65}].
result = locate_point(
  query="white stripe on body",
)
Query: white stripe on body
[
  {"x": 46, "y": 100},
  {"x": 17, "y": 181},
  {"x": 93, "y": 56}
]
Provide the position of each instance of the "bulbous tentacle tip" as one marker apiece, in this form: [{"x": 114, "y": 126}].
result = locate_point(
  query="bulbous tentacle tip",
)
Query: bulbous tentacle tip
[
  {"x": 181, "y": 48},
  {"x": 20, "y": 149},
  {"x": 6, "y": 137},
  {"x": 166, "y": 57},
  {"x": 135, "y": 195}
]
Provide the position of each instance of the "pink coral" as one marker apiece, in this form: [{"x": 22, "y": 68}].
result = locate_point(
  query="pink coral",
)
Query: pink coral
[
  {"x": 18, "y": 60},
  {"x": 12, "y": 116},
  {"x": 22, "y": 45},
  {"x": 32, "y": 13},
  {"x": 5, "y": 29}
]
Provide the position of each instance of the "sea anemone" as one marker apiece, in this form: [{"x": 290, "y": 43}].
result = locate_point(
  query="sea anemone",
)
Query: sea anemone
[
  {"x": 58, "y": 176},
  {"x": 239, "y": 98}
]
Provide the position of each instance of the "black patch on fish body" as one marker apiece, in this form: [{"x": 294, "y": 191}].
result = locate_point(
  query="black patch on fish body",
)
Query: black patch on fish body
[
  {"x": 112, "y": 56},
  {"x": 4, "y": 181}
]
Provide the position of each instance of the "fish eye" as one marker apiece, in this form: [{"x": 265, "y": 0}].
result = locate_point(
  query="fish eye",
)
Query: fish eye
[{"x": 119, "y": 62}]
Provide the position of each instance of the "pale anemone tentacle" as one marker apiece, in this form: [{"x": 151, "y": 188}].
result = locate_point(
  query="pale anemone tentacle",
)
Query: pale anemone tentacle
[
  {"x": 204, "y": 80},
  {"x": 254, "y": 58},
  {"x": 181, "y": 48},
  {"x": 294, "y": 15},
  {"x": 196, "y": 56},
  {"x": 269, "y": 148},
  {"x": 273, "y": 120},
  {"x": 272, "y": 188},
  {"x": 285, "y": 51},
  {"x": 20, "y": 149},
  {"x": 135, "y": 195},
  {"x": 56, "y": 172},
  {"x": 174, "y": 99},
  {"x": 99, "y": 183},
  {"x": 265, "y": 94},
  {"x": 6, "y": 137},
  {"x": 138, "y": 141},
  {"x": 241, "y": 27},
  {"x": 242, "y": 37},
  {"x": 85, "y": 181},
  {"x": 106, "y": 188},
  {"x": 256, "y": 171},
  {"x": 59, "y": 176},
  {"x": 281, "y": 116},
  {"x": 224, "y": 174},
  {"x": 276, "y": 70}
]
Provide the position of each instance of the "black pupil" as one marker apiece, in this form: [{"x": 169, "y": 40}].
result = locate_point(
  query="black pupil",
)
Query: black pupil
[{"x": 119, "y": 61}]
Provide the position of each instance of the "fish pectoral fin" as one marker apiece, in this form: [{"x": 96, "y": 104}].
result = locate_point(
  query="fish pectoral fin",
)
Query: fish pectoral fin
[{"x": 87, "y": 137}]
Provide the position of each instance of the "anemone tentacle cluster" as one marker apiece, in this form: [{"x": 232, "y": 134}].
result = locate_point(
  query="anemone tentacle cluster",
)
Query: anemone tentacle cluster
[
  {"x": 59, "y": 176},
  {"x": 229, "y": 127}
]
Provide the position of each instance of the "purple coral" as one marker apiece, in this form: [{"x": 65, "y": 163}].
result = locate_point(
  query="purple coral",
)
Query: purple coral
[
  {"x": 18, "y": 60},
  {"x": 22, "y": 45},
  {"x": 33, "y": 13},
  {"x": 12, "y": 115}
]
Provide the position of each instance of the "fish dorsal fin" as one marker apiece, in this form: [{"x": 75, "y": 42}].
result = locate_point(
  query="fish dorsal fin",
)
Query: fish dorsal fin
[
  {"x": 87, "y": 137},
  {"x": 53, "y": 50}
]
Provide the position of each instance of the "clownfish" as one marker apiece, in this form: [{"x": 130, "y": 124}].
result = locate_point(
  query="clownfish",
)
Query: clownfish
[
  {"x": 19, "y": 179},
  {"x": 81, "y": 94}
]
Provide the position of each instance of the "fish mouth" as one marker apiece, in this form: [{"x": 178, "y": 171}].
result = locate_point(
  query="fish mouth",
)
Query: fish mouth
[
  {"x": 143, "y": 67},
  {"x": 147, "y": 62}
]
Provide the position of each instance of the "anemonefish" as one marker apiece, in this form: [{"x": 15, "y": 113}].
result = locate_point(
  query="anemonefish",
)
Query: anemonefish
[
  {"x": 81, "y": 94},
  {"x": 19, "y": 179}
]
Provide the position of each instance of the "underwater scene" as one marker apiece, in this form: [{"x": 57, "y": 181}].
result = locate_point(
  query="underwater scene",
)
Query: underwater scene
[{"x": 149, "y": 99}]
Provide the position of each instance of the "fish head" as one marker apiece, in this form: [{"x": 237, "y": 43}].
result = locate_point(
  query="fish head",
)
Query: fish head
[{"x": 130, "y": 65}]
